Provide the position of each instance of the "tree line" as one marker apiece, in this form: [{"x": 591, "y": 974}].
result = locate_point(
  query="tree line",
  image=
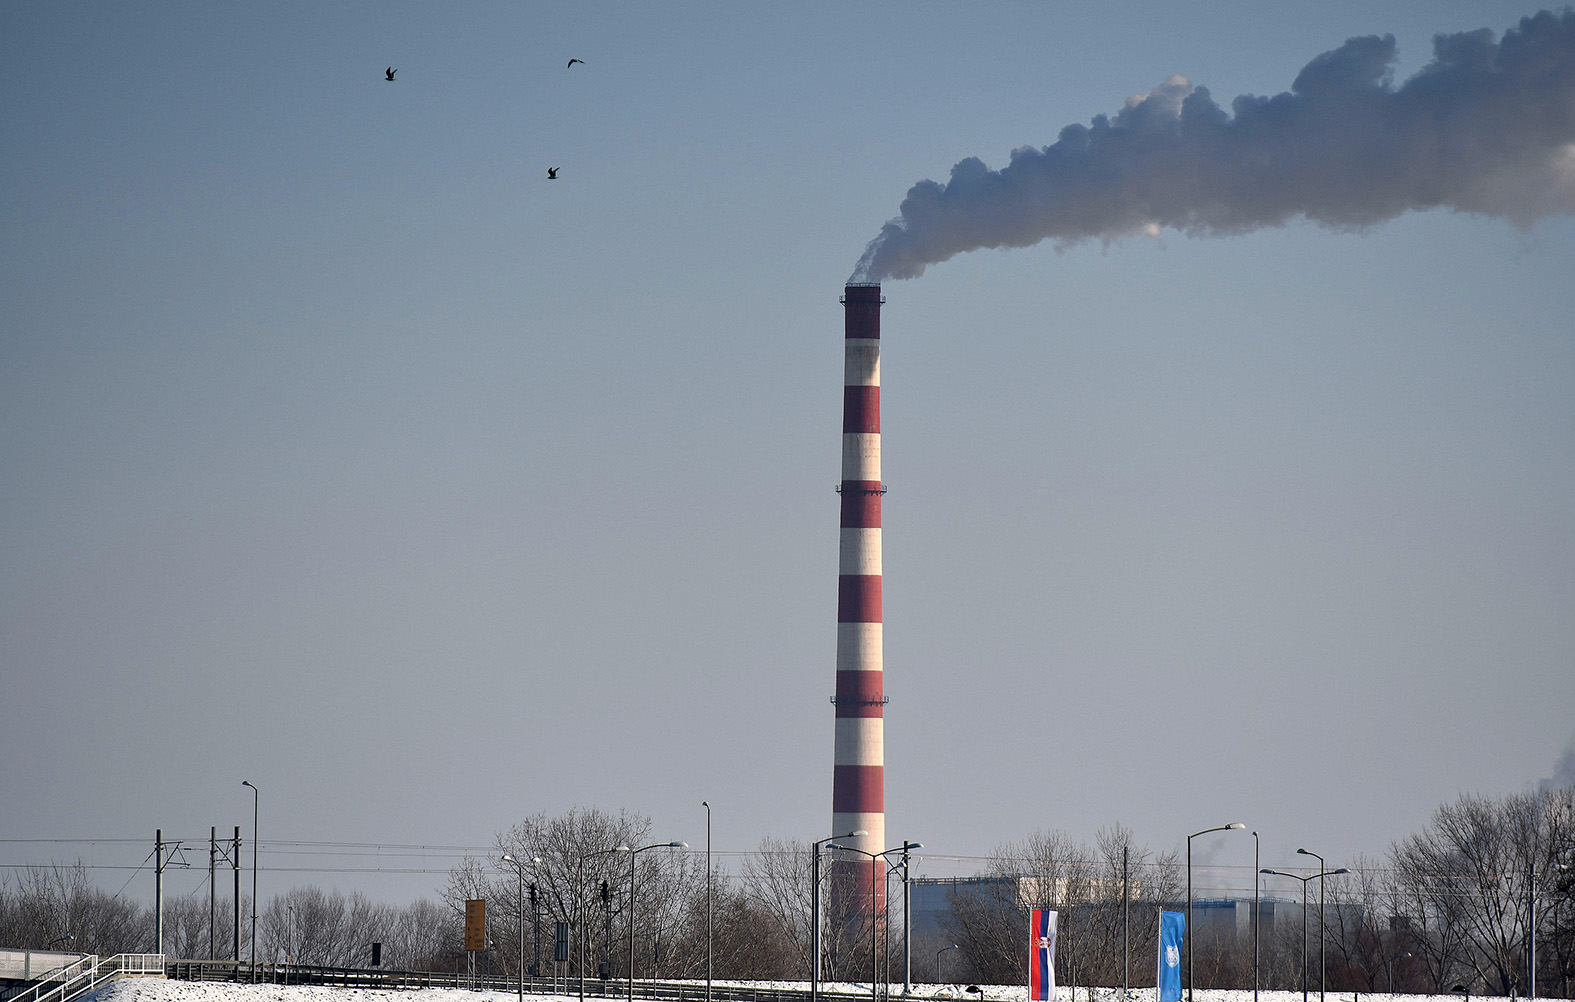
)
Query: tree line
[
  {"x": 57, "y": 907},
  {"x": 1487, "y": 885},
  {"x": 1461, "y": 902}
]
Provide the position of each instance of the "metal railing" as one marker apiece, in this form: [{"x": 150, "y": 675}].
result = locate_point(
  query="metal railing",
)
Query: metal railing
[
  {"x": 91, "y": 972},
  {"x": 360, "y": 977}
]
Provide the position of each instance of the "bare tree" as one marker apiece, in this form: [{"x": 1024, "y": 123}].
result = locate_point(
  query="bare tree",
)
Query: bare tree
[
  {"x": 187, "y": 930},
  {"x": 1360, "y": 954},
  {"x": 1473, "y": 876},
  {"x": 577, "y": 852},
  {"x": 57, "y": 907},
  {"x": 775, "y": 889},
  {"x": 421, "y": 937}
]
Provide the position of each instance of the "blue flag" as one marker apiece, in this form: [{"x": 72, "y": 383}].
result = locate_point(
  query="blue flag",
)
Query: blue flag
[{"x": 1172, "y": 930}]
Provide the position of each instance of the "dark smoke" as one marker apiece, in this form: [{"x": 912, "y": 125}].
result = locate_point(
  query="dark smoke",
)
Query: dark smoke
[
  {"x": 1563, "y": 770},
  {"x": 1487, "y": 127}
]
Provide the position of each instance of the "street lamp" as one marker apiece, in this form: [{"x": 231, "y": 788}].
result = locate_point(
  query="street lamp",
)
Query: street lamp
[
  {"x": 1256, "y": 918},
  {"x": 633, "y": 853},
  {"x": 519, "y": 868},
  {"x": 1323, "y": 937},
  {"x": 907, "y": 921},
  {"x": 814, "y": 907},
  {"x": 1192, "y": 931},
  {"x": 885, "y": 913},
  {"x": 579, "y": 919},
  {"x": 707, "y": 805},
  {"x": 1391, "y": 966},
  {"x": 938, "y": 955},
  {"x": 875, "y": 859},
  {"x": 1312, "y": 876},
  {"x": 255, "y": 798}
]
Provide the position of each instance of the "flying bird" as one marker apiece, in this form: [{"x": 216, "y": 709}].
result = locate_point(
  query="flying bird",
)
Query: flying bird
[
  {"x": 388, "y": 74},
  {"x": 573, "y": 61},
  {"x": 552, "y": 173}
]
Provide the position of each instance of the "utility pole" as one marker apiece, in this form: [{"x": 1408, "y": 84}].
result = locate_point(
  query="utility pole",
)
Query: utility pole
[
  {"x": 235, "y": 865},
  {"x": 213, "y": 890},
  {"x": 1126, "y": 927},
  {"x": 907, "y": 929},
  {"x": 535, "y": 936},
  {"x": 158, "y": 890},
  {"x": 1531, "y": 940},
  {"x": 605, "y": 968}
]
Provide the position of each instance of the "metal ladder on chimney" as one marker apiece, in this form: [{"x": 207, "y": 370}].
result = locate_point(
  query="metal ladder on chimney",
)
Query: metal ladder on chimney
[{"x": 76, "y": 979}]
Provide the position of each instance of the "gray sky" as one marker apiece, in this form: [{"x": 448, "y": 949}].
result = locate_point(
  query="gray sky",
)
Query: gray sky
[{"x": 345, "y": 453}]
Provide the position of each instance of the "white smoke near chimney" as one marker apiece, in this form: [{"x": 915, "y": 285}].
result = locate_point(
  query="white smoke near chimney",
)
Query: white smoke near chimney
[{"x": 1487, "y": 127}]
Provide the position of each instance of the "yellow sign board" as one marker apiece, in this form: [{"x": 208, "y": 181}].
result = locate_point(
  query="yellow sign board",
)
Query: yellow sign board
[{"x": 475, "y": 925}]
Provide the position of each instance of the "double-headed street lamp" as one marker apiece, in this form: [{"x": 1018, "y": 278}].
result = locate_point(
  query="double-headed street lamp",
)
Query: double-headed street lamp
[
  {"x": 1311, "y": 876},
  {"x": 580, "y": 921},
  {"x": 814, "y": 908},
  {"x": 633, "y": 853},
  {"x": 1323, "y": 937},
  {"x": 519, "y": 868},
  {"x": 907, "y": 921},
  {"x": 875, "y": 859},
  {"x": 1192, "y": 932}
]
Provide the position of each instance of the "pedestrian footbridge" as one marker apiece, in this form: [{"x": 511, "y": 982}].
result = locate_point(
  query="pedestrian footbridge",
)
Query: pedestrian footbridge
[{"x": 44, "y": 976}]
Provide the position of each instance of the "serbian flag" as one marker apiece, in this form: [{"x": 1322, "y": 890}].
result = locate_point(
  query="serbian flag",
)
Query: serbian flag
[
  {"x": 1041, "y": 955},
  {"x": 1172, "y": 930}
]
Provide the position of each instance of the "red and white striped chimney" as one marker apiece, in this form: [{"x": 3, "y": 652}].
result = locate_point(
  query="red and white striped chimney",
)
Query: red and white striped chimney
[{"x": 858, "y": 790}]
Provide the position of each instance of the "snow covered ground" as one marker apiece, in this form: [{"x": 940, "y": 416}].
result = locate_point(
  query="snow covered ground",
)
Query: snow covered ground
[{"x": 158, "y": 990}]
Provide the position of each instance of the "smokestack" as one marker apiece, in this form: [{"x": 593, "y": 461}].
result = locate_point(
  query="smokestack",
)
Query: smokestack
[{"x": 858, "y": 790}]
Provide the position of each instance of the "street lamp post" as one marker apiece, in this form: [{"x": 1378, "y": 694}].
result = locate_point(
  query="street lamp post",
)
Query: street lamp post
[
  {"x": 255, "y": 797},
  {"x": 875, "y": 859},
  {"x": 891, "y": 868},
  {"x": 938, "y": 955},
  {"x": 1192, "y": 930},
  {"x": 814, "y": 907},
  {"x": 1311, "y": 876},
  {"x": 907, "y": 921},
  {"x": 885, "y": 909},
  {"x": 1323, "y": 936},
  {"x": 1391, "y": 966},
  {"x": 1256, "y": 918},
  {"x": 579, "y": 920},
  {"x": 633, "y": 853},
  {"x": 707, "y": 805},
  {"x": 1297, "y": 876},
  {"x": 519, "y": 868}
]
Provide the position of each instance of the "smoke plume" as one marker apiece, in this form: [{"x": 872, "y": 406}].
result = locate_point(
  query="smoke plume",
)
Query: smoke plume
[
  {"x": 1487, "y": 127},
  {"x": 1563, "y": 770}
]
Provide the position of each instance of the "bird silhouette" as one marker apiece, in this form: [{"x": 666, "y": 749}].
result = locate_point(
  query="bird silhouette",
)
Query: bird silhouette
[
  {"x": 573, "y": 61},
  {"x": 388, "y": 74},
  {"x": 552, "y": 173}
]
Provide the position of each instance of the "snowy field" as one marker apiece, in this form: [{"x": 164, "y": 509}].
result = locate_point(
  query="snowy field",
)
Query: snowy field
[{"x": 157, "y": 990}]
